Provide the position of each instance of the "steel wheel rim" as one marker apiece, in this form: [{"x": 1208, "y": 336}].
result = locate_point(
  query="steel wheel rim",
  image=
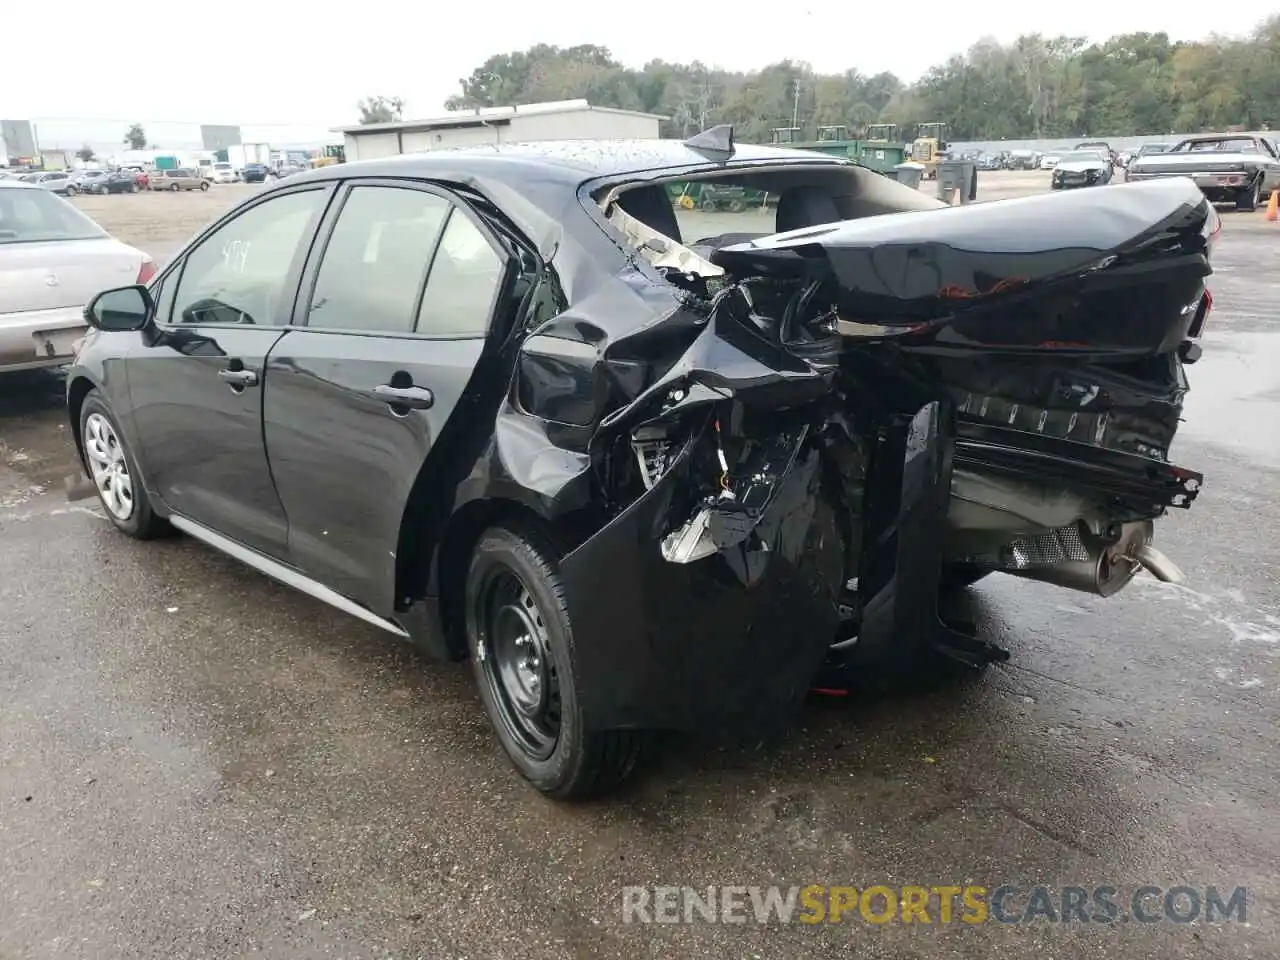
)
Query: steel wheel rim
[
  {"x": 516, "y": 662},
  {"x": 108, "y": 466}
]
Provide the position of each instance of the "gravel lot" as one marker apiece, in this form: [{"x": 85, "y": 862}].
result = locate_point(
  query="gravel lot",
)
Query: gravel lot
[{"x": 195, "y": 762}]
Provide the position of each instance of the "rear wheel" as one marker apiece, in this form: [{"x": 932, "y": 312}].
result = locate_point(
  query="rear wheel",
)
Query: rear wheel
[
  {"x": 204, "y": 185},
  {"x": 736, "y": 206},
  {"x": 1248, "y": 198},
  {"x": 72, "y": 191},
  {"x": 175, "y": 188},
  {"x": 115, "y": 473},
  {"x": 521, "y": 644}
]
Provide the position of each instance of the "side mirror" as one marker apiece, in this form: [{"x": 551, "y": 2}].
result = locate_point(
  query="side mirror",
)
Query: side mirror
[{"x": 125, "y": 308}]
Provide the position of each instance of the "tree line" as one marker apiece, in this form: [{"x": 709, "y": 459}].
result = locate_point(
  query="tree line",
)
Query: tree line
[{"x": 1037, "y": 86}]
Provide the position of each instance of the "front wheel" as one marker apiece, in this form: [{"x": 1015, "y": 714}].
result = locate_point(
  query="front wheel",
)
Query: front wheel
[
  {"x": 204, "y": 185},
  {"x": 175, "y": 188},
  {"x": 521, "y": 644},
  {"x": 115, "y": 473},
  {"x": 72, "y": 191}
]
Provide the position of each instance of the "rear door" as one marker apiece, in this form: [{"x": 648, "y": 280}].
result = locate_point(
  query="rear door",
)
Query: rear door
[{"x": 399, "y": 307}]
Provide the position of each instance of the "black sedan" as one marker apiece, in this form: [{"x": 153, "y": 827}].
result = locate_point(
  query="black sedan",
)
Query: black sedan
[
  {"x": 1082, "y": 168},
  {"x": 255, "y": 173},
  {"x": 118, "y": 181},
  {"x": 513, "y": 405}
]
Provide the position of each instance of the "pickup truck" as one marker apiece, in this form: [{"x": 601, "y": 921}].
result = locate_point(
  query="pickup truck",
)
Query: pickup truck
[
  {"x": 181, "y": 179},
  {"x": 1239, "y": 167}
]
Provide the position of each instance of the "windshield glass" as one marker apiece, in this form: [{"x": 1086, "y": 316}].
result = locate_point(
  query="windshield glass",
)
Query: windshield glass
[
  {"x": 1225, "y": 145},
  {"x": 31, "y": 216},
  {"x": 1079, "y": 155}
]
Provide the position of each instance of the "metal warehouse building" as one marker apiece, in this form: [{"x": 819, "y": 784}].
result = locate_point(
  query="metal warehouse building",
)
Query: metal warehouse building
[{"x": 564, "y": 120}]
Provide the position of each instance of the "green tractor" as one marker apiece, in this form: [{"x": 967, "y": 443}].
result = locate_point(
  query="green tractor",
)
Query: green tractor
[{"x": 835, "y": 140}]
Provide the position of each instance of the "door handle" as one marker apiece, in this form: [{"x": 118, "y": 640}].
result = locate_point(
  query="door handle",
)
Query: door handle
[
  {"x": 415, "y": 398},
  {"x": 239, "y": 378}
]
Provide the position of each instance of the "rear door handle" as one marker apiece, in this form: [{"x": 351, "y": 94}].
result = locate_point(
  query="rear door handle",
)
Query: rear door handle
[
  {"x": 239, "y": 378},
  {"x": 415, "y": 398}
]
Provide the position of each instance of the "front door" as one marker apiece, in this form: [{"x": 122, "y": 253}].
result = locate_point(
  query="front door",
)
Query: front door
[
  {"x": 394, "y": 326},
  {"x": 196, "y": 381}
]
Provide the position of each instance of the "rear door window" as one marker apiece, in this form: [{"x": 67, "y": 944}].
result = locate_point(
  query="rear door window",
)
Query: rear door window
[
  {"x": 375, "y": 263},
  {"x": 466, "y": 274}
]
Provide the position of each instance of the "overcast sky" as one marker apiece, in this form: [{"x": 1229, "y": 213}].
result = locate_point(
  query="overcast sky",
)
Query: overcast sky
[{"x": 309, "y": 64}]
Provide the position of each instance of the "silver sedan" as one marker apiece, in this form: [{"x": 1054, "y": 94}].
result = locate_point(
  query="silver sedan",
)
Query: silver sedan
[{"x": 53, "y": 260}]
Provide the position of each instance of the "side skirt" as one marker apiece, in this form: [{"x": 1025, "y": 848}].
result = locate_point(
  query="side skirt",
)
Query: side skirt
[{"x": 284, "y": 574}]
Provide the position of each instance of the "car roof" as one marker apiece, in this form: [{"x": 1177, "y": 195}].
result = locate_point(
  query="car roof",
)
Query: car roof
[
  {"x": 569, "y": 161},
  {"x": 1202, "y": 137}
]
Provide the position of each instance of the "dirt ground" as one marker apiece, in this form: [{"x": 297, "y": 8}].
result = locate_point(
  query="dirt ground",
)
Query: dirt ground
[{"x": 159, "y": 222}]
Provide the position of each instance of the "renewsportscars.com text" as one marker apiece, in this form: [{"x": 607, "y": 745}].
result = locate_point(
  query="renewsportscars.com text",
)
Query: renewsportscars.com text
[{"x": 939, "y": 904}]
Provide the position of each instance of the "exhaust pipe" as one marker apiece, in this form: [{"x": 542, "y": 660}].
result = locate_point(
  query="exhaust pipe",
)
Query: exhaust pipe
[
  {"x": 1108, "y": 570},
  {"x": 1158, "y": 565}
]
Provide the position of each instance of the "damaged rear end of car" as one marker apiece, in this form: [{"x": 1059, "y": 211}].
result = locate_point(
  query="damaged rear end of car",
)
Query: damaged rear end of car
[
  {"x": 831, "y": 425},
  {"x": 780, "y": 448}
]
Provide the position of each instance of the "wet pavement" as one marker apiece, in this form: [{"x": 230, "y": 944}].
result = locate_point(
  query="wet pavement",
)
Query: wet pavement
[{"x": 195, "y": 762}]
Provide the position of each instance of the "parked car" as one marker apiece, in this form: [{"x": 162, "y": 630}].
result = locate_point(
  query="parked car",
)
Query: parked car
[
  {"x": 53, "y": 260},
  {"x": 1049, "y": 160},
  {"x": 1082, "y": 168},
  {"x": 506, "y": 403},
  {"x": 83, "y": 181},
  {"x": 1145, "y": 150},
  {"x": 255, "y": 173},
  {"x": 1238, "y": 168},
  {"x": 117, "y": 181},
  {"x": 55, "y": 181},
  {"x": 223, "y": 173},
  {"x": 183, "y": 178},
  {"x": 1098, "y": 145}
]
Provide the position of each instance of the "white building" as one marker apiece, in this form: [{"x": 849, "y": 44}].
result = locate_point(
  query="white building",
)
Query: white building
[{"x": 563, "y": 120}]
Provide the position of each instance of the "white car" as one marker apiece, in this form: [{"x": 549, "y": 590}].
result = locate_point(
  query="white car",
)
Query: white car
[
  {"x": 53, "y": 260},
  {"x": 224, "y": 173},
  {"x": 1049, "y": 161}
]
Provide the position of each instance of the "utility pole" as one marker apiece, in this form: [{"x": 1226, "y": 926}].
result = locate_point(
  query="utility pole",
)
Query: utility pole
[{"x": 795, "y": 105}]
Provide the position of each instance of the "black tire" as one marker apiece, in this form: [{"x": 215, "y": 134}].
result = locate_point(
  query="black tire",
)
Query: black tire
[
  {"x": 142, "y": 523},
  {"x": 174, "y": 187},
  {"x": 1247, "y": 199},
  {"x": 204, "y": 185},
  {"x": 514, "y": 594},
  {"x": 736, "y": 206},
  {"x": 957, "y": 576},
  {"x": 72, "y": 191}
]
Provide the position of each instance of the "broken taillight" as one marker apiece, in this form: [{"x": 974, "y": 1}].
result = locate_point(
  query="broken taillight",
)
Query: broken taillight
[{"x": 146, "y": 271}]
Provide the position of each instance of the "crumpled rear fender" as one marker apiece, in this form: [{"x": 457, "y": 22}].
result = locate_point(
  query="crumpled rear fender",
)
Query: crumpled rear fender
[{"x": 729, "y": 641}]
